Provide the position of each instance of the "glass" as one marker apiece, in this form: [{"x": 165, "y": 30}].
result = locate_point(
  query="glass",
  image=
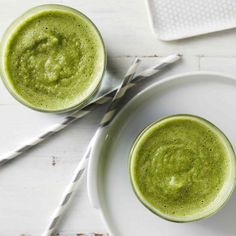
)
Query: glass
[
  {"x": 10, "y": 30},
  {"x": 227, "y": 189}
]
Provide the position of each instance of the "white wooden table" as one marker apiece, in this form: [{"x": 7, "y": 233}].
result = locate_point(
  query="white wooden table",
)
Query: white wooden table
[{"x": 31, "y": 186}]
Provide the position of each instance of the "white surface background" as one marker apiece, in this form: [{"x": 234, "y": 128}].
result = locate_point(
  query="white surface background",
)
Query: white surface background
[{"x": 31, "y": 186}]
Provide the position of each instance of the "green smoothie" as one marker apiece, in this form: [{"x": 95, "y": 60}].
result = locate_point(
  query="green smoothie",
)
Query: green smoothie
[
  {"x": 182, "y": 167},
  {"x": 54, "y": 59}
]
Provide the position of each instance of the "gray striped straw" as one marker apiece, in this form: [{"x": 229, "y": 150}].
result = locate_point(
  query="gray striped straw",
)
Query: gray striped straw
[
  {"x": 85, "y": 110},
  {"x": 106, "y": 120},
  {"x": 79, "y": 234}
]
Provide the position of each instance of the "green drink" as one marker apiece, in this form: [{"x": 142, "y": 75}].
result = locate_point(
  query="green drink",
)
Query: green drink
[
  {"x": 182, "y": 168},
  {"x": 53, "y": 58}
]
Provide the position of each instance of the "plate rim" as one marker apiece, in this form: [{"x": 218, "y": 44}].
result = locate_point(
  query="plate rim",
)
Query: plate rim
[{"x": 92, "y": 189}]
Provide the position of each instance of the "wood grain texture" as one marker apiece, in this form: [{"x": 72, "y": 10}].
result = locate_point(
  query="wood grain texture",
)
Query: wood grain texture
[{"x": 31, "y": 186}]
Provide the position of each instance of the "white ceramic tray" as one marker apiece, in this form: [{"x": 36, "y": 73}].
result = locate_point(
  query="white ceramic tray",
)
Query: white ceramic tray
[
  {"x": 212, "y": 96},
  {"x": 173, "y": 19}
]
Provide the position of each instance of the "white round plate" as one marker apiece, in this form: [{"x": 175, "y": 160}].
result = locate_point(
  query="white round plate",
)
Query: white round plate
[{"x": 211, "y": 96}]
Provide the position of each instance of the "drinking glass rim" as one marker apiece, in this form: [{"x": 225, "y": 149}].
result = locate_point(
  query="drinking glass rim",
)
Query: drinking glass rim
[
  {"x": 184, "y": 219},
  {"x": 17, "y": 22}
]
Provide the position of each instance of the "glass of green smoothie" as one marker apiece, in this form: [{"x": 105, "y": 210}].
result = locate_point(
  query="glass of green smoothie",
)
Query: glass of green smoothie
[
  {"x": 182, "y": 168},
  {"x": 52, "y": 58}
]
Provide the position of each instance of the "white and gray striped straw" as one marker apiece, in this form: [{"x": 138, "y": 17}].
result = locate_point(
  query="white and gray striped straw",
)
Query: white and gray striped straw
[
  {"x": 107, "y": 118},
  {"x": 85, "y": 110},
  {"x": 79, "y": 234},
  {"x": 75, "y": 234}
]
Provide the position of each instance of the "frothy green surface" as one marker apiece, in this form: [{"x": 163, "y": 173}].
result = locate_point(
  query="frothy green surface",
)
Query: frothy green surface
[
  {"x": 179, "y": 165},
  {"x": 54, "y": 60}
]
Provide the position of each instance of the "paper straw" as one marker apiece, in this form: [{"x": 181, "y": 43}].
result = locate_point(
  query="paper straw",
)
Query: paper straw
[
  {"x": 107, "y": 118},
  {"x": 80, "y": 234},
  {"x": 85, "y": 110}
]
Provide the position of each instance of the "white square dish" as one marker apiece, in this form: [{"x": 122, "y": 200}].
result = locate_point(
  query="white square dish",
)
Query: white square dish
[{"x": 172, "y": 20}]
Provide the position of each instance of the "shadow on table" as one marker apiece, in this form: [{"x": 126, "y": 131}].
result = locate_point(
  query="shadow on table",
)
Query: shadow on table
[{"x": 224, "y": 222}]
